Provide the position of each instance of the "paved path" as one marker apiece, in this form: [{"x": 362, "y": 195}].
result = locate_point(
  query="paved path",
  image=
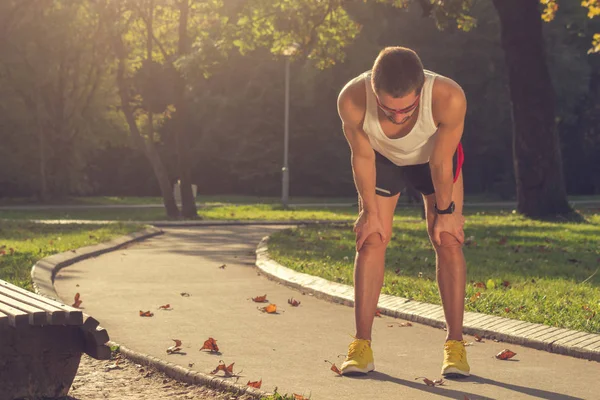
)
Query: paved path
[{"x": 287, "y": 350}]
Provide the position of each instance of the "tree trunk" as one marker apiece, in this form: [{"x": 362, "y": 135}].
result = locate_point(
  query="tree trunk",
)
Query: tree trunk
[
  {"x": 188, "y": 202},
  {"x": 146, "y": 145},
  {"x": 537, "y": 158}
]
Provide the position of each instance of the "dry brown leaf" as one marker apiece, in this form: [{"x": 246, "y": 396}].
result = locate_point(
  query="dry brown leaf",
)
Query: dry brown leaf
[
  {"x": 177, "y": 342},
  {"x": 299, "y": 397},
  {"x": 294, "y": 303},
  {"x": 256, "y": 384},
  {"x": 428, "y": 382},
  {"x": 334, "y": 368},
  {"x": 260, "y": 299},
  {"x": 479, "y": 285},
  {"x": 165, "y": 307},
  {"x": 223, "y": 266},
  {"x": 505, "y": 354},
  {"x": 210, "y": 344},
  {"x": 227, "y": 370},
  {"x": 507, "y": 309},
  {"x": 184, "y": 294},
  {"x": 475, "y": 297},
  {"x": 78, "y": 301},
  {"x": 146, "y": 314},
  {"x": 439, "y": 382},
  {"x": 378, "y": 313},
  {"x": 478, "y": 338}
]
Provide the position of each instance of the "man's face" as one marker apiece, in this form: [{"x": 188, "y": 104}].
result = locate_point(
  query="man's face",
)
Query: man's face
[{"x": 397, "y": 110}]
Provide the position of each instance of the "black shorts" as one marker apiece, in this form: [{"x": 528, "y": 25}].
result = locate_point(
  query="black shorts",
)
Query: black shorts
[{"x": 392, "y": 179}]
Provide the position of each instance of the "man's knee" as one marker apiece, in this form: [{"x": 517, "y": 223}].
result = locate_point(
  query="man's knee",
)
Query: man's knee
[
  {"x": 447, "y": 241},
  {"x": 374, "y": 242}
]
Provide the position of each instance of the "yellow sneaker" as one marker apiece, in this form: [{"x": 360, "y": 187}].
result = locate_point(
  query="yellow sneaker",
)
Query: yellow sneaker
[
  {"x": 359, "y": 360},
  {"x": 455, "y": 360}
]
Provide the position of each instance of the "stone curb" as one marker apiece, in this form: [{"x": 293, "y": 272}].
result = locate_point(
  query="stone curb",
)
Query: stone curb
[
  {"x": 45, "y": 270},
  {"x": 542, "y": 337},
  {"x": 187, "y": 375}
]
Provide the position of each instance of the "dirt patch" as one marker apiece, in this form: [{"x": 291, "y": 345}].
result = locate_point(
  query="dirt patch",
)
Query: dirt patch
[{"x": 129, "y": 381}]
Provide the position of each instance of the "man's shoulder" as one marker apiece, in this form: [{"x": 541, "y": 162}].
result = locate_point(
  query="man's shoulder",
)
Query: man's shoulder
[
  {"x": 448, "y": 98},
  {"x": 353, "y": 98}
]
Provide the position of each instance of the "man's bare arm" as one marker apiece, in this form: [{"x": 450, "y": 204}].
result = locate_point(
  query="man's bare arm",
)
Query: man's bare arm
[
  {"x": 352, "y": 114},
  {"x": 450, "y": 113}
]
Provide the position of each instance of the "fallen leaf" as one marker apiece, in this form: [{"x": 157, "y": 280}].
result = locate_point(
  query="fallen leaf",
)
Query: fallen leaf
[
  {"x": 378, "y": 313},
  {"x": 468, "y": 344},
  {"x": 256, "y": 384},
  {"x": 12, "y": 251},
  {"x": 223, "y": 266},
  {"x": 270, "y": 309},
  {"x": 210, "y": 344},
  {"x": 112, "y": 366},
  {"x": 294, "y": 303},
  {"x": 404, "y": 324},
  {"x": 428, "y": 382},
  {"x": 228, "y": 371},
  {"x": 146, "y": 314},
  {"x": 299, "y": 397},
  {"x": 438, "y": 382},
  {"x": 505, "y": 283},
  {"x": 77, "y": 302},
  {"x": 183, "y": 294},
  {"x": 334, "y": 368},
  {"x": 479, "y": 285},
  {"x": 398, "y": 271},
  {"x": 507, "y": 309},
  {"x": 173, "y": 349},
  {"x": 177, "y": 342},
  {"x": 505, "y": 354},
  {"x": 260, "y": 299},
  {"x": 390, "y": 326},
  {"x": 475, "y": 297},
  {"x": 165, "y": 307},
  {"x": 190, "y": 365},
  {"x": 478, "y": 338}
]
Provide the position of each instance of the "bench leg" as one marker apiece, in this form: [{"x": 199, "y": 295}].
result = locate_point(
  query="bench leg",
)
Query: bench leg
[{"x": 37, "y": 362}]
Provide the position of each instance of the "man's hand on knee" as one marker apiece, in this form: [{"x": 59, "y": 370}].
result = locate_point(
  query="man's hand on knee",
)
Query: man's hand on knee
[{"x": 366, "y": 225}]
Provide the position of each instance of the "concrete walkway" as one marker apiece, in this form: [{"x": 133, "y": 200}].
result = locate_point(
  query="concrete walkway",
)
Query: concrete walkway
[{"x": 287, "y": 350}]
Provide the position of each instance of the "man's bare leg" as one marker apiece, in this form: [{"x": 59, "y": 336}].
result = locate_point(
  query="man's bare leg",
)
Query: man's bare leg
[
  {"x": 451, "y": 268},
  {"x": 369, "y": 267}
]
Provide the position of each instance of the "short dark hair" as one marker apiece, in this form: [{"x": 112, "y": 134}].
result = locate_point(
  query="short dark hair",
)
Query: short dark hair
[{"x": 397, "y": 71}]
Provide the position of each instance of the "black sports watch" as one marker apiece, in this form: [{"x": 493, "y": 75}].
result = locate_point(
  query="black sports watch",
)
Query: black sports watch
[{"x": 448, "y": 210}]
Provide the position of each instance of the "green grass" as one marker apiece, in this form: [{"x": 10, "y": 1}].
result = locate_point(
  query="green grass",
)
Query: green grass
[
  {"x": 22, "y": 244},
  {"x": 269, "y": 212},
  {"x": 544, "y": 264},
  {"x": 229, "y": 200}
]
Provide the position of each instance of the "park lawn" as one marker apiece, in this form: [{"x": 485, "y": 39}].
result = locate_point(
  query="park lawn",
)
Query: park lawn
[
  {"x": 270, "y": 212},
  {"x": 548, "y": 268},
  {"x": 22, "y": 244}
]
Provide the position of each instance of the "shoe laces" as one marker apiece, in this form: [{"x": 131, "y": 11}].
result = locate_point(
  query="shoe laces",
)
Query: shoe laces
[
  {"x": 455, "y": 350},
  {"x": 357, "y": 347}
]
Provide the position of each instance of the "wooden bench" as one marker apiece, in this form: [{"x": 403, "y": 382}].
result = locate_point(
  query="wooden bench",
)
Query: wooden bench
[{"x": 41, "y": 343}]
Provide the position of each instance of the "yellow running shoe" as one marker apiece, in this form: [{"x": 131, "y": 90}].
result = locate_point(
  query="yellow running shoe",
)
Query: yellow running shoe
[
  {"x": 455, "y": 360},
  {"x": 359, "y": 360}
]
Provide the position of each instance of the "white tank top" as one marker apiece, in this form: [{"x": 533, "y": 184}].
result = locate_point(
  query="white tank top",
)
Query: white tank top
[{"x": 415, "y": 147}]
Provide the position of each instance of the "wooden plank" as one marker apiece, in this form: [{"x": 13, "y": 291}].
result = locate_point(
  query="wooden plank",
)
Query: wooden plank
[
  {"x": 16, "y": 318},
  {"x": 37, "y": 316},
  {"x": 56, "y": 315},
  {"x": 74, "y": 315}
]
